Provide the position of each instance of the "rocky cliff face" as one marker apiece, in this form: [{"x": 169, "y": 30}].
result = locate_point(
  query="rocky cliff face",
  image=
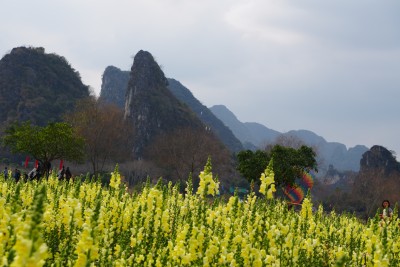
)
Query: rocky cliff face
[
  {"x": 113, "y": 86},
  {"x": 113, "y": 89},
  {"x": 378, "y": 179},
  {"x": 151, "y": 106},
  {"x": 379, "y": 159},
  {"x": 37, "y": 86}
]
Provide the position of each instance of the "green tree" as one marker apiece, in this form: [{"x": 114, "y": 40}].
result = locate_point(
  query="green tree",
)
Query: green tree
[
  {"x": 48, "y": 143},
  {"x": 290, "y": 163},
  {"x": 252, "y": 164}
]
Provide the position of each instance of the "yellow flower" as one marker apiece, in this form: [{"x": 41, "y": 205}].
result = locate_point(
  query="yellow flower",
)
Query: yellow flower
[
  {"x": 207, "y": 182},
  {"x": 140, "y": 258},
  {"x": 270, "y": 192},
  {"x": 306, "y": 209},
  {"x": 84, "y": 246},
  {"x": 22, "y": 248},
  {"x": 115, "y": 180},
  {"x": 267, "y": 181}
]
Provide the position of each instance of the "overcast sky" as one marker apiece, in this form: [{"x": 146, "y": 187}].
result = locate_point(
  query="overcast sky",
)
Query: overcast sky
[{"x": 331, "y": 67}]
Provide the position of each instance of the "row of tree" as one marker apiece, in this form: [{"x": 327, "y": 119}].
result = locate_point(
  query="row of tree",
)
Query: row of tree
[
  {"x": 94, "y": 132},
  {"x": 97, "y": 133}
]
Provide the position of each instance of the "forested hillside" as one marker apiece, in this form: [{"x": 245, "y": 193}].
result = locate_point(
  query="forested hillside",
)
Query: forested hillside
[{"x": 37, "y": 86}]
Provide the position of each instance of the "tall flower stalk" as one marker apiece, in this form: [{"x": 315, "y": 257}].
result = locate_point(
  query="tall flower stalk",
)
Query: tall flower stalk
[
  {"x": 208, "y": 185},
  {"x": 267, "y": 178}
]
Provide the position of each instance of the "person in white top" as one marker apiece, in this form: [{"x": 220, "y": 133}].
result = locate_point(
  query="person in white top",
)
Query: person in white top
[{"x": 387, "y": 211}]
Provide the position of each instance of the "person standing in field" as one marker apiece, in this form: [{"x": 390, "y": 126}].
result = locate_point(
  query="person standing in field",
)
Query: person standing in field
[
  {"x": 68, "y": 174},
  {"x": 387, "y": 211},
  {"x": 61, "y": 173},
  {"x": 17, "y": 175},
  {"x": 5, "y": 172}
]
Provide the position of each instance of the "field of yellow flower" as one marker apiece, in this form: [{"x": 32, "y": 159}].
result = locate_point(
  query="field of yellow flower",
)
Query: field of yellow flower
[{"x": 58, "y": 223}]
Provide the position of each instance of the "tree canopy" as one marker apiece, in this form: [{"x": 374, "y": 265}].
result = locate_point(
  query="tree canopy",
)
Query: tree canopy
[
  {"x": 288, "y": 163},
  {"x": 45, "y": 144},
  {"x": 252, "y": 163}
]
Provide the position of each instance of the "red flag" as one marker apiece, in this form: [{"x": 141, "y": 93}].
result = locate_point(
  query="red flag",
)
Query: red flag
[
  {"x": 61, "y": 164},
  {"x": 36, "y": 163},
  {"x": 26, "y": 161}
]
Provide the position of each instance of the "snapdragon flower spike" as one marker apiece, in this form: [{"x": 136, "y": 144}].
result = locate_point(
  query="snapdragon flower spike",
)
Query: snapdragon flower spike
[
  {"x": 115, "y": 180},
  {"x": 208, "y": 185},
  {"x": 267, "y": 178}
]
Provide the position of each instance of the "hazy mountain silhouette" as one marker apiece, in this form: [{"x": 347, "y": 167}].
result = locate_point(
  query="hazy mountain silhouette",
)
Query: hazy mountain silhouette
[
  {"x": 329, "y": 153},
  {"x": 251, "y": 134}
]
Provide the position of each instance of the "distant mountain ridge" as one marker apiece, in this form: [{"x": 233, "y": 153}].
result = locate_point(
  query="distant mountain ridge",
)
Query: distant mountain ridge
[
  {"x": 37, "y": 86},
  {"x": 329, "y": 153},
  {"x": 205, "y": 115},
  {"x": 237, "y": 135},
  {"x": 41, "y": 87},
  {"x": 153, "y": 109},
  {"x": 251, "y": 134},
  {"x": 114, "y": 88}
]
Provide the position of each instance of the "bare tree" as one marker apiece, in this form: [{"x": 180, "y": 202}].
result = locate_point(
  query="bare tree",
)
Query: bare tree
[
  {"x": 286, "y": 141},
  {"x": 372, "y": 187},
  {"x": 108, "y": 137},
  {"x": 186, "y": 150}
]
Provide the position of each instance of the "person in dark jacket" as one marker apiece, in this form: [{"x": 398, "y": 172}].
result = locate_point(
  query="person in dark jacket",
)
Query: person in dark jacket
[
  {"x": 68, "y": 174},
  {"x": 17, "y": 175}
]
